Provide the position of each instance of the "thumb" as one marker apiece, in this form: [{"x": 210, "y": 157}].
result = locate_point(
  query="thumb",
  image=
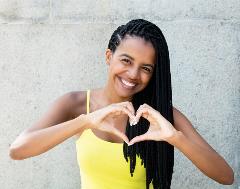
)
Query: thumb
[
  {"x": 121, "y": 135},
  {"x": 138, "y": 139}
]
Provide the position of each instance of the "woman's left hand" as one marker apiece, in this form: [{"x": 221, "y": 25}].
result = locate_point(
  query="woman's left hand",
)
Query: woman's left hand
[{"x": 160, "y": 129}]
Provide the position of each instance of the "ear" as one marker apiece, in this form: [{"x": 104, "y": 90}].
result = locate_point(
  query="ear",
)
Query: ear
[{"x": 108, "y": 54}]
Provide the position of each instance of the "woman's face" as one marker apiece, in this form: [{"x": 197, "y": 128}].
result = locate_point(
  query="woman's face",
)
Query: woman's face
[{"x": 131, "y": 66}]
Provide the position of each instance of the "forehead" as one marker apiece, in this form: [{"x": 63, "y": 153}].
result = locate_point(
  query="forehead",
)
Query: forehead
[{"x": 138, "y": 48}]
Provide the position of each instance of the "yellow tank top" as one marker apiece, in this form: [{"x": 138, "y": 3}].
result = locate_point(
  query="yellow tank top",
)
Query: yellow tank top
[{"x": 102, "y": 164}]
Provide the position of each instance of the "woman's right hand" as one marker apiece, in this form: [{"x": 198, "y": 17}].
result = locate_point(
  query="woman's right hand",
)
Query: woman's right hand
[{"x": 101, "y": 118}]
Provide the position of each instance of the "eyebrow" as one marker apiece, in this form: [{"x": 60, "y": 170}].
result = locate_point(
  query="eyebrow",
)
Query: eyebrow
[{"x": 124, "y": 54}]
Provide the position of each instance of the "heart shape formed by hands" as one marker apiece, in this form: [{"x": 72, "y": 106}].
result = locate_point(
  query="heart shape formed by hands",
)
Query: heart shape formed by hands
[{"x": 159, "y": 128}]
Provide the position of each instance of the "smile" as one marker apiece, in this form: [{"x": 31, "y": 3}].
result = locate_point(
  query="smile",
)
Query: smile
[{"x": 127, "y": 84}]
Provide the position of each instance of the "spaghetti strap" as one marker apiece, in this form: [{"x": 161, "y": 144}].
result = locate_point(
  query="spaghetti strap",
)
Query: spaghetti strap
[{"x": 88, "y": 101}]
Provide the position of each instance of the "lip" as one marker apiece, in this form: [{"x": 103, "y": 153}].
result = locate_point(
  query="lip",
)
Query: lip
[{"x": 125, "y": 86}]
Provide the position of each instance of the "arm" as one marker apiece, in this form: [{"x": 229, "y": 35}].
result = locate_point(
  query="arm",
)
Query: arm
[
  {"x": 52, "y": 129},
  {"x": 195, "y": 148}
]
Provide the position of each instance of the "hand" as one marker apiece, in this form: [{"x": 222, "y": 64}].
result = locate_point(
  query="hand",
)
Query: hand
[
  {"x": 160, "y": 129},
  {"x": 101, "y": 118}
]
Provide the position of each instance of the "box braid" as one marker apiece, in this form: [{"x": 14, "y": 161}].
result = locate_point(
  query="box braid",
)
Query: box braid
[{"x": 157, "y": 156}]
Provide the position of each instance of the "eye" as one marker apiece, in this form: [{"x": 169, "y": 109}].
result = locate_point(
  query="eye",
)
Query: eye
[
  {"x": 147, "y": 69},
  {"x": 126, "y": 60}
]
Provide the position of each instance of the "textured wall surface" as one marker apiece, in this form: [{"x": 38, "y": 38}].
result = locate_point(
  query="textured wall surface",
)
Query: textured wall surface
[{"x": 51, "y": 47}]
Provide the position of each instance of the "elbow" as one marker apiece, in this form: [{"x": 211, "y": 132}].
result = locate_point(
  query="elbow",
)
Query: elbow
[
  {"x": 14, "y": 153},
  {"x": 18, "y": 149},
  {"x": 228, "y": 179}
]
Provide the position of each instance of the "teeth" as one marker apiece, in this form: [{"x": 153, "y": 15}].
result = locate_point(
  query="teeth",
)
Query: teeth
[{"x": 127, "y": 83}]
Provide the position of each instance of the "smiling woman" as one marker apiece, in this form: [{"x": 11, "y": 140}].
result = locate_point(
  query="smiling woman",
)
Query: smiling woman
[
  {"x": 126, "y": 131},
  {"x": 131, "y": 65},
  {"x": 138, "y": 54}
]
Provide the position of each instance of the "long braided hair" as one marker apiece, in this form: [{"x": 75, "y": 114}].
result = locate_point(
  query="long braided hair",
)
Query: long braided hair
[{"x": 157, "y": 156}]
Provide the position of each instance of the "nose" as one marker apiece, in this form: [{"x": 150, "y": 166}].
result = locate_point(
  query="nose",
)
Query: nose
[{"x": 133, "y": 73}]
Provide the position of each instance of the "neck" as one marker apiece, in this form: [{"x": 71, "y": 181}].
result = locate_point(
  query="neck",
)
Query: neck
[{"x": 111, "y": 97}]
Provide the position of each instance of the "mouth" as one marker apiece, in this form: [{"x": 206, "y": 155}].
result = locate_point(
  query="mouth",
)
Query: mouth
[{"x": 126, "y": 84}]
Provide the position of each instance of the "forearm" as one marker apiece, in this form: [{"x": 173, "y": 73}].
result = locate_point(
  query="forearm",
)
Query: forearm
[
  {"x": 208, "y": 161},
  {"x": 40, "y": 141}
]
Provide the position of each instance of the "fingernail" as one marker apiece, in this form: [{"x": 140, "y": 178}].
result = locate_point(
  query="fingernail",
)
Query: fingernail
[{"x": 134, "y": 122}]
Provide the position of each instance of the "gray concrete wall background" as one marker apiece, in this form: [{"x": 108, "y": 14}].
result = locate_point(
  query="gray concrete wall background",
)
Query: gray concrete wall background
[{"x": 50, "y": 47}]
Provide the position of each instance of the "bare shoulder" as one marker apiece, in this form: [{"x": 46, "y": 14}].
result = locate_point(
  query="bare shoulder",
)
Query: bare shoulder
[
  {"x": 78, "y": 103},
  {"x": 181, "y": 122},
  {"x": 74, "y": 103},
  {"x": 61, "y": 109},
  {"x": 78, "y": 106}
]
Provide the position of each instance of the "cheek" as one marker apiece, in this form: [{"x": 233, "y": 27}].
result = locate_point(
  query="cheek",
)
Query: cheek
[
  {"x": 117, "y": 68},
  {"x": 146, "y": 78}
]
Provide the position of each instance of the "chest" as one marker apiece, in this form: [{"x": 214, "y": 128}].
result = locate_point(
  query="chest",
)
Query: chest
[
  {"x": 119, "y": 122},
  {"x": 98, "y": 158}
]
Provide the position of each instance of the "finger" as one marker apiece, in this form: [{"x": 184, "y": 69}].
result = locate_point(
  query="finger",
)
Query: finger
[
  {"x": 147, "y": 112},
  {"x": 131, "y": 108},
  {"x": 121, "y": 135},
  {"x": 122, "y": 109},
  {"x": 138, "y": 139},
  {"x": 154, "y": 112},
  {"x": 129, "y": 105},
  {"x": 137, "y": 116},
  {"x": 143, "y": 111}
]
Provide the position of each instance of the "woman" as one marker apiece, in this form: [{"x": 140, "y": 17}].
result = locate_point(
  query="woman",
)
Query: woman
[{"x": 129, "y": 123}]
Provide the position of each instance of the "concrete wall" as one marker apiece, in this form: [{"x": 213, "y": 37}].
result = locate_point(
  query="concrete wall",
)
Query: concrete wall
[{"x": 50, "y": 47}]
